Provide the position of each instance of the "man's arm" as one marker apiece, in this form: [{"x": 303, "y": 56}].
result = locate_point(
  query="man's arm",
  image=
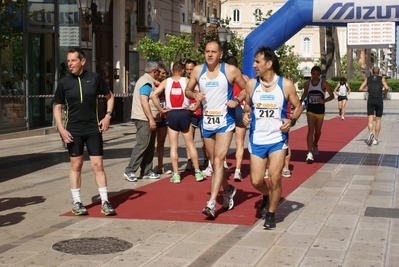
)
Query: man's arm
[
  {"x": 65, "y": 135},
  {"x": 292, "y": 98},
  {"x": 363, "y": 85},
  {"x": 106, "y": 121},
  {"x": 305, "y": 91},
  {"x": 386, "y": 87},
  {"x": 327, "y": 88},
  {"x": 249, "y": 87},
  {"x": 192, "y": 82},
  {"x": 155, "y": 95},
  {"x": 236, "y": 77},
  {"x": 145, "y": 93}
]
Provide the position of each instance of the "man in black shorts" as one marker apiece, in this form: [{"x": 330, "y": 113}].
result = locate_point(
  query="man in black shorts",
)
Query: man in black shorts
[
  {"x": 78, "y": 91},
  {"x": 374, "y": 85}
]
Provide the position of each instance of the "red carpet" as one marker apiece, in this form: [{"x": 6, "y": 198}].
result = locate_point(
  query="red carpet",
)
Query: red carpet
[{"x": 163, "y": 200}]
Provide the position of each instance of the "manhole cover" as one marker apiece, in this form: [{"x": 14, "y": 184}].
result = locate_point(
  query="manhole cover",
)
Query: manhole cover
[{"x": 92, "y": 246}]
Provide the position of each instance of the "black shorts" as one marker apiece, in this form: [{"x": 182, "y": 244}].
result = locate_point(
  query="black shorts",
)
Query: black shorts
[
  {"x": 179, "y": 119},
  {"x": 375, "y": 105},
  {"x": 238, "y": 120},
  {"x": 94, "y": 145},
  {"x": 342, "y": 97},
  {"x": 161, "y": 124}
]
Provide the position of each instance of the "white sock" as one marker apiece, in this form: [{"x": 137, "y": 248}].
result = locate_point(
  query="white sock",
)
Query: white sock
[
  {"x": 103, "y": 194},
  {"x": 212, "y": 202},
  {"x": 76, "y": 195}
]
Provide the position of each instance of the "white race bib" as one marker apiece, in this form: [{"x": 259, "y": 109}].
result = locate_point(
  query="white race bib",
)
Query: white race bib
[{"x": 213, "y": 117}]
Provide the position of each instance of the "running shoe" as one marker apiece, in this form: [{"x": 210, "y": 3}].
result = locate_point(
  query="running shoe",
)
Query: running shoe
[
  {"x": 151, "y": 175},
  {"x": 225, "y": 165},
  {"x": 199, "y": 176},
  {"x": 270, "y": 222},
  {"x": 209, "y": 210},
  {"x": 208, "y": 171},
  {"x": 266, "y": 175},
  {"x": 343, "y": 118},
  {"x": 107, "y": 209},
  {"x": 131, "y": 177},
  {"x": 228, "y": 201},
  {"x": 315, "y": 150},
  {"x": 78, "y": 209},
  {"x": 309, "y": 157},
  {"x": 265, "y": 206},
  {"x": 370, "y": 139},
  {"x": 175, "y": 179},
  {"x": 375, "y": 142},
  {"x": 237, "y": 176},
  {"x": 189, "y": 165},
  {"x": 286, "y": 173}
]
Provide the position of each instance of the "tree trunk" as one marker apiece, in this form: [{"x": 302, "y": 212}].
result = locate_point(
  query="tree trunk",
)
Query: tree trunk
[
  {"x": 330, "y": 67},
  {"x": 322, "y": 38},
  {"x": 337, "y": 53}
]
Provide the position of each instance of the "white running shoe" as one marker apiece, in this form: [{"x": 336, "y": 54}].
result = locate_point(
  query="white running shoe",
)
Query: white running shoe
[
  {"x": 286, "y": 173},
  {"x": 237, "y": 176},
  {"x": 208, "y": 171},
  {"x": 228, "y": 201},
  {"x": 375, "y": 142},
  {"x": 370, "y": 139},
  {"x": 309, "y": 157}
]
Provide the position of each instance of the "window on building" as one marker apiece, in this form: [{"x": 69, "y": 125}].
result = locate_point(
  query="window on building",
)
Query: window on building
[
  {"x": 258, "y": 16},
  {"x": 306, "y": 46},
  {"x": 236, "y": 16}
]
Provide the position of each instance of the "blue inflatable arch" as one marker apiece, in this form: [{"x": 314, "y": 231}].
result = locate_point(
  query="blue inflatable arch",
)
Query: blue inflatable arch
[{"x": 296, "y": 14}]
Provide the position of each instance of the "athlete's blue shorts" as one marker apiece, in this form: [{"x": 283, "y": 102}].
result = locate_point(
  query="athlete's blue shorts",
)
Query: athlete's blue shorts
[{"x": 263, "y": 151}]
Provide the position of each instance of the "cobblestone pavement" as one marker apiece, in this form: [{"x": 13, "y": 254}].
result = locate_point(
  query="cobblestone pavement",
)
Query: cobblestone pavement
[{"x": 346, "y": 214}]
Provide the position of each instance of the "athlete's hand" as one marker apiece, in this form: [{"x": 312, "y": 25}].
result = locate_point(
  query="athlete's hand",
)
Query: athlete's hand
[
  {"x": 66, "y": 137},
  {"x": 232, "y": 104},
  {"x": 285, "y": 128},
  {"x": 153, "y": 125},
  {"x": 165, "y": 110},
  {"x": 104, "y": 123},
  {"x": 246, "y": 119},
  {"x": 199, "y": 96}
]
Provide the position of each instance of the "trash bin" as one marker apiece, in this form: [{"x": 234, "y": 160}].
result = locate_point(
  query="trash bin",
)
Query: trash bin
[{"x": 122, "y": 108}]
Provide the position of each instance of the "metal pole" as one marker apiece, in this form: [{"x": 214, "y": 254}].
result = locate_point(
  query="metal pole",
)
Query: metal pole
[{"x": 93, "y": 41}]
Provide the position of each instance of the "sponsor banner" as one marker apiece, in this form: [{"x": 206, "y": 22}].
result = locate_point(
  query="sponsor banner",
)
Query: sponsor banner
[
  {"x": 43, "y": 15},
  {"x": 346, "y": 11},
  {"x": 371, "y": 34}
]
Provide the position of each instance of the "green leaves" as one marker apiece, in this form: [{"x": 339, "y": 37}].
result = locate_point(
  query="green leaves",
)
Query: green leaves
[
  {"x": 9, "y": 12},
  {"x": 174, "y": 48}
]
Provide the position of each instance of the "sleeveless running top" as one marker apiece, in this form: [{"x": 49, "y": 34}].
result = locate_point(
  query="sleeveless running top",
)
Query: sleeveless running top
[
  {"x": 315, "y": 93},
  {"x": 342, "y": 90},
  {"x": 174, "y": 94},
  {"x": 267, "y": 109},
  {"x": 217, "y": 92}
]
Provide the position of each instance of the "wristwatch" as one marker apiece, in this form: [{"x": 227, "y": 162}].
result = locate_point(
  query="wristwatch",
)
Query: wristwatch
[
  {"x": 237, "y": 100},
  {"x": 109, "y": 113}
]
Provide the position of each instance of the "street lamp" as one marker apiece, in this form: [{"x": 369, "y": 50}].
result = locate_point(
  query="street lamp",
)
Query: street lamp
[
  {"x": 94, "y": 12},
  {"x": 225, "y": 35}
]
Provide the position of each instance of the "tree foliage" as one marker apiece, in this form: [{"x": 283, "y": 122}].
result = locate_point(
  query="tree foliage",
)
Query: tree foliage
[
  {"x": 172, "y": 49},
  {"x": 9, "y": 12},
  {"x": 289, "y": 62}
]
